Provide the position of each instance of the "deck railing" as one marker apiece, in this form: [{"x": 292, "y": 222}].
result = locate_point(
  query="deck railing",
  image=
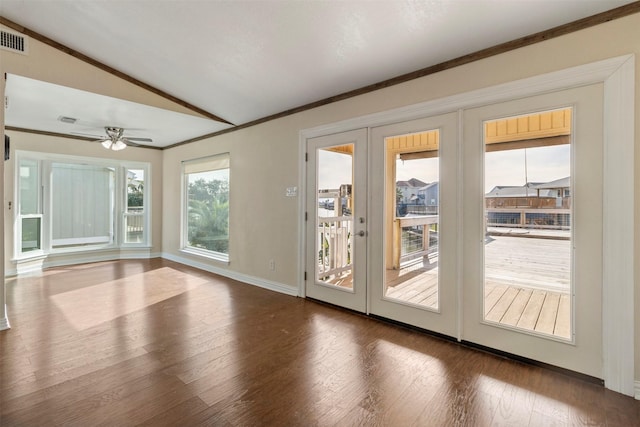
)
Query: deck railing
[
  {"x": 134, "y": 223},
  {"x": 412, "y": 238},
  {"x": 553, "y": 219},
  {"x": 334, "y": 246}
]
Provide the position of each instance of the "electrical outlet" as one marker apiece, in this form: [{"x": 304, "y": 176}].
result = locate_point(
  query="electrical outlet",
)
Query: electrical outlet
[{"x": 272, "y": 265}]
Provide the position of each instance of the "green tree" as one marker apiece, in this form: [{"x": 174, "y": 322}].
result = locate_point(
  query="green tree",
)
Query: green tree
[
  {"x": 209, "y": 215},
  {"x": 135, "y": 195}
]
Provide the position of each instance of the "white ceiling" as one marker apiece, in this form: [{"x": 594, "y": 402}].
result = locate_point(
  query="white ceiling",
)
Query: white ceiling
[
  {"x": 245, "y": 60},
  {"x": 37, "y": 105}
]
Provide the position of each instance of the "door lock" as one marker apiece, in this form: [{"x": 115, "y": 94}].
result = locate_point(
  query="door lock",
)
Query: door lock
[{"x": 362, "y": 233}]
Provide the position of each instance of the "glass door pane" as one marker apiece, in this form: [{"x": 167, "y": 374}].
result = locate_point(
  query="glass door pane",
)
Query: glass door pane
[
  {"x": 333, "y": 216},
  {"x": 527, "y": 251},
  {"x": 413, "y": 179}
]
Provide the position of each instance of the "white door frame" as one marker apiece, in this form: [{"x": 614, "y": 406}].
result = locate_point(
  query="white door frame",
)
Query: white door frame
[{"x": 618, "y": 75}]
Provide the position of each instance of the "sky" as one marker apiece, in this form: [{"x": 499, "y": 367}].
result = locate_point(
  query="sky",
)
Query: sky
[
  {"x": 334, "y": 169},
  {"x": 504, "y": 167},
  {"x": 543, "y": 164}
]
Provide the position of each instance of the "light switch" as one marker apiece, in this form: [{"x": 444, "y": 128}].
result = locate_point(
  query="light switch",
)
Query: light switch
[{"x": 292, "y": 191}]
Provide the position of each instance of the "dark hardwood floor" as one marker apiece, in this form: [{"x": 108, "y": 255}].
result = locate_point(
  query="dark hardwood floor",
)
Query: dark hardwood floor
[{"x": 152, "y": 342}]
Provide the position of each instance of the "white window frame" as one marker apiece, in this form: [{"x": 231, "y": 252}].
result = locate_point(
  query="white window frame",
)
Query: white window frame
[
  {"x": 18, "y": 210},
  {"x": 214, "y": 162},
  {"x": 45, "y": 161},
  {"x": 146, "y": 197}
]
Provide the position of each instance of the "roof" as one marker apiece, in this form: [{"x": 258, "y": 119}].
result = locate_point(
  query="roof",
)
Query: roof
[
  {"x": 558, "y": 183},
  {"x": 521, "y": 191},
  {"x": 428, "y": 186},
  {"x": 413, "y": 182},
  {"x": 530, "y": 189}
]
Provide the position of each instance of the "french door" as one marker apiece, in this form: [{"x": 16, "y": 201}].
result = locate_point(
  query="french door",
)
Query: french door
[
  {"x": 414, "y": 197},
  {"x": 492, "y": 237},
  {"x": 532, "y": 228},
  {"x": 336, "y": 219}
]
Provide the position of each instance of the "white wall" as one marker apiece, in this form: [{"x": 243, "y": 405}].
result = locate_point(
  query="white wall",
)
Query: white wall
[{"x": 265, "y": 158}]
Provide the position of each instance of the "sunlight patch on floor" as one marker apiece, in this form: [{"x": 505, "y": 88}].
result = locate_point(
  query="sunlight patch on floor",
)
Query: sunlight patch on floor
[{"x": 87, "y": 307}]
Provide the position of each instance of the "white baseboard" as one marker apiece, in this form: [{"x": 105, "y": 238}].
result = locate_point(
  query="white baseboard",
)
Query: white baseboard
[
  {"x": 251, "y": 280},
  {"x": 637, "y": 387},
  {"x": 4, "y": 322},
  {"x": 60, "y": 260}
]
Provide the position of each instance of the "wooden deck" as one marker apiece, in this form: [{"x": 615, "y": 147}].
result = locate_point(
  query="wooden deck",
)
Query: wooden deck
[{"x": 527, "y": 284}]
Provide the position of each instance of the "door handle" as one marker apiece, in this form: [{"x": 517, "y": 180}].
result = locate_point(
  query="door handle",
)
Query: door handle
[{"x": 361, "y": 233}]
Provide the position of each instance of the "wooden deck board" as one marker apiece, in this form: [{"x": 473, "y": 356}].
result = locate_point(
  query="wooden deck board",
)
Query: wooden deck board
[
  {"x": 531, "y": 311},
  {"x": 526, "y": 284},
  {"x": 563, "y": 320},
  {"x": 502, "y": 305},
  {"x": 491, "y": 299},
  {"x": 547, "y": 319},
  {"x": 513, "y": 314}
]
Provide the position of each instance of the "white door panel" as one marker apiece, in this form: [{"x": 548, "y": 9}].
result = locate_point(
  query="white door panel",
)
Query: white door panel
[
  {"x": 419, "y": 289},
  {"x": 581, "y": 349},
  {"x": 336, "y": 225}
]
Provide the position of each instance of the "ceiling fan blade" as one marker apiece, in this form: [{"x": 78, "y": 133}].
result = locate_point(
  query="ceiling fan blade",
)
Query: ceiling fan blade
[
  {"x": 129, "y": 138},
  {"x": 87, "y": 135},
  {"x": 130, "y": 143}
]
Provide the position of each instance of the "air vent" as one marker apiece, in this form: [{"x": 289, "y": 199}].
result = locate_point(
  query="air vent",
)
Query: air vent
[
  {"x": 69, "y": 120},
  {"x": 14, "y": 42}
]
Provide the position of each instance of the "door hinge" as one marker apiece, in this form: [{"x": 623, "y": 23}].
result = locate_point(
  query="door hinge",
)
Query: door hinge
[
  {"x": 306, "y": 157},
  {"x": 306, "y": 216},
  {"x": 305, "y": 276}
]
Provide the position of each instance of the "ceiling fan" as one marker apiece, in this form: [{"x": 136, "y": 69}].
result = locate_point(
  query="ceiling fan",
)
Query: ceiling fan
[{"x": 115, "y": 139}]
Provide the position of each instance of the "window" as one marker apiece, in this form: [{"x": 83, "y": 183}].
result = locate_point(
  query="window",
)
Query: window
[
  {"x": 134, "y": 213},
  {"x": 68, "y": 203},
  {"x": 82, "y": 205},
  {"x": 30, "y": 217},
  {"x": 206, "y": 206}
]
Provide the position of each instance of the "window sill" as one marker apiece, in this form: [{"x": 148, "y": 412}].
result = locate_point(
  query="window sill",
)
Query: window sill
[
  {"x": 215, "y": 256},
  {"x": 81, "y": 249},
  {"x": 30, "y": 257},
  {"x": 26, "y": 257}
]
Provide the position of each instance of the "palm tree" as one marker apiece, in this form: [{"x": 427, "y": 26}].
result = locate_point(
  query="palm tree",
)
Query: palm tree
[{"x": 208, "y": 217}]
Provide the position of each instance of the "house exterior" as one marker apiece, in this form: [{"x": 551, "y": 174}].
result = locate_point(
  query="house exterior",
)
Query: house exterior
[
  {"x": 407, "y": 191},
  {"x": 533, "y": 205},
  {"x": 532, "y": 195},
  {"x": 429, "y": 196}
]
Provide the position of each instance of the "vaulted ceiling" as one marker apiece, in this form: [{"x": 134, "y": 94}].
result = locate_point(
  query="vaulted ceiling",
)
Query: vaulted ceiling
[{"x": 245, "y": 60}]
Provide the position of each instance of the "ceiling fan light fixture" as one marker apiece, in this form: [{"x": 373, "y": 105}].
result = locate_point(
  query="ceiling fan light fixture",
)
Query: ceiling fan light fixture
[
  {"x": 112, "y": 145},
  {"x": 118, "y": 145}
]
